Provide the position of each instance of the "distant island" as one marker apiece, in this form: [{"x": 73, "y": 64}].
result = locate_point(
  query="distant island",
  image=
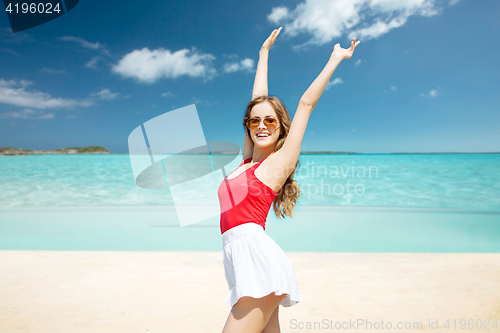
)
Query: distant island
[{"x": 11, "y": 151}]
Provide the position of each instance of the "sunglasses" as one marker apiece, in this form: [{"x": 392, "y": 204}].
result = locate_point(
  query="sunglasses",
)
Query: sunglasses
[{"x": 270, "y": 123}]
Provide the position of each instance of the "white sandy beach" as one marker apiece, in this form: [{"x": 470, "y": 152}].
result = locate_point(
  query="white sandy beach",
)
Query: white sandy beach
[{"x": 90, "y": 291}]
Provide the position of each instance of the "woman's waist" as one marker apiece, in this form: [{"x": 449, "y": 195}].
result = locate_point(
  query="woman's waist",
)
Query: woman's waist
[{"x": 241, "y": 230}]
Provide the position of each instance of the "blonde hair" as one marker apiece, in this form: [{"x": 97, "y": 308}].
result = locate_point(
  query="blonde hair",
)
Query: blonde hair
[{"x": 287, "y": 197}]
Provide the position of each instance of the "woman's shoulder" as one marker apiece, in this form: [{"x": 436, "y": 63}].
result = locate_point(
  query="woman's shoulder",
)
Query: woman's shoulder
[{"x": 277, "y": 164}]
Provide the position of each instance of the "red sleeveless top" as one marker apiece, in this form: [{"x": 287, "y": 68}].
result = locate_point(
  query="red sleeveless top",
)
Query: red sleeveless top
[{"x": 244, "y": 198}]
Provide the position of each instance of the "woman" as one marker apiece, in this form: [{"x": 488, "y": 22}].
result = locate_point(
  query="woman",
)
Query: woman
[{"x": 259, "y": 274}]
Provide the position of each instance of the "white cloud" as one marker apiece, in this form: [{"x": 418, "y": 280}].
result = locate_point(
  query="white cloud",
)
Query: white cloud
[
  {"x": 168, "y": 94},
  {"x": 432, "y": 93},
  {"x": 8, "y": 51},
  {"x": 244, "y": 65},
  {"x": 105, "y": 94},
  {"x": 393, "y": 88},
  {"x": 333, "y": 83},
  {"x": 230, "y": 56},
  {"x": 247, "y": 63},
  {"x": 196, "y": 100},
  {"x": 11, "y": 95},
  {"x": 26, "y": 114},
  {"x": 92, "y": 63},
  {"x": 378, "y": 28},
  {"x": 363, "y": 19},
  {"x": 22, "y": 83},
  {"x": 358, "y": 62},
  {"x": 82, "y": 42},
  {"x": 454, "y": 2},
  {"x": 85, "y": 44},
  {"x": 6, "y": 35},
  {"x": 148, "y": 66},
  {"x": 278, "y": 14}
]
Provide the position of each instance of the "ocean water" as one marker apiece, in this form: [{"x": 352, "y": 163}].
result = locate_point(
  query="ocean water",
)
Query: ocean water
[
  {"x": 312, "y": 229},
  {"x": 349, "y": 203},
  {"x": 453, "y": 181}
]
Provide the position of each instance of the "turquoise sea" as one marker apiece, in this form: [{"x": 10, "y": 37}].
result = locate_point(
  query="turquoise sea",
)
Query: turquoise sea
[{"x": 355, "y": 203}]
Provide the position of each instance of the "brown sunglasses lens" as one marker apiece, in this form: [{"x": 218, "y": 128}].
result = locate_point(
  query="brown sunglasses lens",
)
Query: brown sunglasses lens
[{"x": 269, "y": 122}]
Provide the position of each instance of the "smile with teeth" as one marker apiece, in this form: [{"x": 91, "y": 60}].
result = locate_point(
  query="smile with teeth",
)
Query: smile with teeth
[{"x": 262, "y": 135}]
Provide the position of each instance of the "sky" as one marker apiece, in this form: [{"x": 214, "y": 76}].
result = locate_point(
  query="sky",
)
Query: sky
[{"x": 425, "y": 77}]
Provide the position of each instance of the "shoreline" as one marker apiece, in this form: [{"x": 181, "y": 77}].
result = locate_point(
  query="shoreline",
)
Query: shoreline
[{"x": 318, "y": 229}]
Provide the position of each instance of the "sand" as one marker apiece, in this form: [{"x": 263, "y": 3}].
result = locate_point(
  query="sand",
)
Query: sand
[{"x": 92, "y": 291}]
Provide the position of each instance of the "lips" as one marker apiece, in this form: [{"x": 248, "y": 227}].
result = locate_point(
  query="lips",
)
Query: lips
[{"x": 262, "y": 135}]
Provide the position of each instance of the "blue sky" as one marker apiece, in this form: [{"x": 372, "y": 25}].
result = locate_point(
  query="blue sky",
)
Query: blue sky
[{"x": 425, "y": 77}]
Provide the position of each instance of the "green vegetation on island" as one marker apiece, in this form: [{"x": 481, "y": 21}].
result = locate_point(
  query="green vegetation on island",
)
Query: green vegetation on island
[{"x": 11, "y": 151}]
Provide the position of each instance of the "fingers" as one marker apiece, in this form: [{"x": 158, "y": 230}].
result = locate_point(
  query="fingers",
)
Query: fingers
[
  {"x": 276, "y": 32},
  {"x": 354, "y": 43}
]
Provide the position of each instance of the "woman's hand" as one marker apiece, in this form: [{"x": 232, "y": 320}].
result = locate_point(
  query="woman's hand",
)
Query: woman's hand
[
  {"x": 344, "y": 53},
  {"x": 271, "y": 39},
  {"x": 260, "y": 83}
]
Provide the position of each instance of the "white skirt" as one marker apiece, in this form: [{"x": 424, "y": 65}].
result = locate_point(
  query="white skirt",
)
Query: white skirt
[{"x": 256, "y": 266}]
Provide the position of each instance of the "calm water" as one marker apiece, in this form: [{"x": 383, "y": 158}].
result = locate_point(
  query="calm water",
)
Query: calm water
[
  {"x": 426, "y": 181},
  {"x": 349, "y": 203},
  {"x": 312, "y": 229}
]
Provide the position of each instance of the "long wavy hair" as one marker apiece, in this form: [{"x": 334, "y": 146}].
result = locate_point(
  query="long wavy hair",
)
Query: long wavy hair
[{"x": 287, "y": 197}]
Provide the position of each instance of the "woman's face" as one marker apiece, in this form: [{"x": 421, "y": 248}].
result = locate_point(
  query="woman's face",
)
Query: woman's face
[{"x": 263, "y": 136}]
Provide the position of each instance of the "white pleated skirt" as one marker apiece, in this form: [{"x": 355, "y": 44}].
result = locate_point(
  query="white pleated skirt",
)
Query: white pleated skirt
[{"x": 256, "y": 266}]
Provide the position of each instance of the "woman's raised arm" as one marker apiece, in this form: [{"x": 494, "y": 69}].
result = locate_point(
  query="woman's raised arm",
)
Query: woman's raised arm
[
  {"x": 313, "y": 93},
  {"x": 289, "y": 153},
  {"x": 260, "y": 84}
]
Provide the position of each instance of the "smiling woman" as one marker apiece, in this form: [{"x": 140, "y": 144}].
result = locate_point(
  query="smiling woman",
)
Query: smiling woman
[
  {"x": 277, "y": 176},
  {"x": 258, "y": 272}
]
